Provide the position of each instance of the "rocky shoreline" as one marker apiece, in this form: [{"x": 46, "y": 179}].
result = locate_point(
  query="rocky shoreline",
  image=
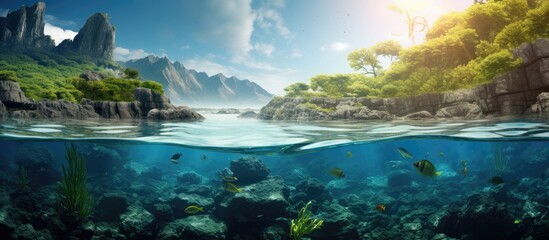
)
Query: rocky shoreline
[
  {"x": 523, "y": 91},
  {"x": 148, "y": 105}
]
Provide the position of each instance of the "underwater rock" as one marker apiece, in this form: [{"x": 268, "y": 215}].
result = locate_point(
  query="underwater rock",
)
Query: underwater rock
[
  {"x": 103, "y": 230},
  {"x": 110, "y": 206},
  {"x": 25, "y": 232},
  {"x": 249, "y": 170},
  {"x": 137, "y": 222},
  {"x": 482, "y": 217},
  {"x": 202, "y": 190},
  {"x": 7, "y": 225},
  {"x": 274, "y": 233},
  {"x": 248, "y": 114},
  {"x": 199, "y": 227},
  {"x": 39, "y": 165},
  {"x": 310, "y": 189},
  {"x": 339, "y": 223},
  {"x": 266, "y": 199},
  {"x": 399, "y": 178},
  {"x": 182, "y": 201},
  {"x": 162, "y": 212},
  {"x": 189, "y": 178},
  {"x": 419, "y": 115}
]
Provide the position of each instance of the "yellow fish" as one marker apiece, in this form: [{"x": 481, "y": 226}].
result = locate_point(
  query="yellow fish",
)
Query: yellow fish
[
  {"x": 229, "y": 178},
  {"x": 349, "y": 154},
  {"x": 426, "y": 168},
  {"x": 404, "y": 153},
  {"x": 193, "y": 209},
  {"x": 337, "y": 172},
  {"x": 231, "y": 188}
]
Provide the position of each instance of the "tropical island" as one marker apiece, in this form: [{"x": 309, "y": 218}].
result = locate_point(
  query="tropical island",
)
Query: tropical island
[{"x": 489, "y": 60}]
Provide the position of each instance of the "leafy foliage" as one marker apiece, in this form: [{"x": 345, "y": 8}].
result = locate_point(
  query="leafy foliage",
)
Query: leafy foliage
[
  {"x": 462, "y": 50},
  {"x": 47, "y": 75},
  {"x": 304, "y": 225},
  {"x": 71, "y": 191}
]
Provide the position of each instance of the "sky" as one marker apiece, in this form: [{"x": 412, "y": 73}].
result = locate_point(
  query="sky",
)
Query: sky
[{"x": 271, "y": 42}]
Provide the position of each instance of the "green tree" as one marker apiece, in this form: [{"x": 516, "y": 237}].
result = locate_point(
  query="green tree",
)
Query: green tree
[
  {"x": 389, "y": 49},
  {"x": 296, "y": 89},
  {"x": 131, "y": 73},
  {"x": 333, "y": 85},
  {"x": 364, "y": 59}
]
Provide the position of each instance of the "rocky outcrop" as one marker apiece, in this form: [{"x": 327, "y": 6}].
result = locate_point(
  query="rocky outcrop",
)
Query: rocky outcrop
[
  {"x": 24, "y": 28},
  {"x": 95, "y": 39},
  {"x": 93, "y": 76},
  {"x": 510, "y": 94},
  {"x": 148, "y": 105}
]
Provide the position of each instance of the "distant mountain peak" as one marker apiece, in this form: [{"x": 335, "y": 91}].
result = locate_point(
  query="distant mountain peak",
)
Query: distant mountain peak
[{"x": 193, "y": 88}]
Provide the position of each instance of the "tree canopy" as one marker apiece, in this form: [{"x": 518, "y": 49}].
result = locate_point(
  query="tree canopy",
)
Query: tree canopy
[{"x": 462, "y": 50}]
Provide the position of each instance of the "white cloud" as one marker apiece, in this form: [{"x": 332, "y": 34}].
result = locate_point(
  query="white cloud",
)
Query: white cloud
[
  {"x": 335, "y": 46},
  {"x": 264, "y": 48},
  {"x": 58, "y": 34},
  {"x": 124, "y": 54},
  {"x": 268, "y": 17},
  {"x": 185, "y": 47},
  {"x": 228, "y": 24},
  {"x": 296, "y": 53}
]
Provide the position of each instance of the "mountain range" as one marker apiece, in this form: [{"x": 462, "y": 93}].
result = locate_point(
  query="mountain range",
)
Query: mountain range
[{"x": 197, "y": 89}]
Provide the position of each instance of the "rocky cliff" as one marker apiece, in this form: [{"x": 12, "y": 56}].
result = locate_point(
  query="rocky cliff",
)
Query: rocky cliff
[
  {"x": 189, "y": 87},
  {"x": 515, "y": 93},
  {"x": 24, "y": 28},
  {"x": 148, "y": 105},
  {"x": 95, "y": 39}
]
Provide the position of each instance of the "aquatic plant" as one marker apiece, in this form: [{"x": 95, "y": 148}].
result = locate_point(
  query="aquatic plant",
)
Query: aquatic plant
[
  {"x": 72, "y": 192},
  {"x": 304, "y": 225},
  {"x": 499, "y": 160},
  {"x": 23, "y": 178}
]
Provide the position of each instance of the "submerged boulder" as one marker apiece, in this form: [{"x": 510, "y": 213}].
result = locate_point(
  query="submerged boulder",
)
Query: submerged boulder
[
  {"x": 110, "y": 206},
  {"x": 199, "y": 227},
  {"x": 267, "y": 199},
  {"x": 136, "y": 222},
  {"x": 482, "y": 217},
  {"x": 249, "y": 170}
]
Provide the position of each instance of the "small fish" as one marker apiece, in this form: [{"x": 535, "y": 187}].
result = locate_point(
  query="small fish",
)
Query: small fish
[
  {"x": 175, "y": 158},
  {"x": 349, "y": 154},
  {"x": 231, "y": 188},
  {"x": 337, "y": 172},
  {"x": 380, "y": 208},
  {"x": 517, "y": 221},
  {"x": 192, "y": 209},
  {"x": 441, "y": 154},
  {"x": 404, "y": 153},
  {"x": 496, "y": 180},
  {"x": 426, "y": 168},
  {"x": 204, "y": 158},
  {"x": 229, "y": 178}
]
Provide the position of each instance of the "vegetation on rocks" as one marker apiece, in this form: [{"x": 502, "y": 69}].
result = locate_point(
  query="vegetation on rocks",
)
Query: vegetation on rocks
[
  {"x": 48, "y": 75},
  {"x": 462, "y": 50}
]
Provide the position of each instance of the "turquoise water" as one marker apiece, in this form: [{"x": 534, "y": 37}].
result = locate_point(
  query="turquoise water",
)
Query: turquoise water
[{"x": 133, "y": 159}]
